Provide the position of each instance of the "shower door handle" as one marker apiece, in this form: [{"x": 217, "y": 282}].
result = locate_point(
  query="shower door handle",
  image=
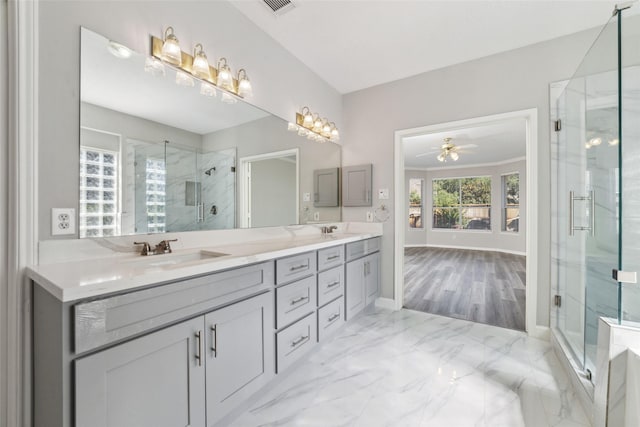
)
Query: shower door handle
[{"x": 592, "y": 217}]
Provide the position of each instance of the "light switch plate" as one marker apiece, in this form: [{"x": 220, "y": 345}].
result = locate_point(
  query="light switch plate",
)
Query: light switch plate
[
  {"x": 369, "y": 216},
  {"x": 306, "y": 197},
  {"x": 316, "y": 216},
  {"x": 383, "y": 194},
  {"x": 63, "y": 221}
]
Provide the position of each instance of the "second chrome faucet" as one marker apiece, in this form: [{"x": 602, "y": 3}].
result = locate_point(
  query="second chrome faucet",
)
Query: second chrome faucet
[{"x": 164, "y": 247}]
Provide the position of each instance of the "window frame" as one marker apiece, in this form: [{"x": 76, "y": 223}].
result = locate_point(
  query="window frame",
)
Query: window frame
[
  {"x": 504, "y": 204},
  {"x": 421, "y": 206},
  {"x": 83, "y": 213}
]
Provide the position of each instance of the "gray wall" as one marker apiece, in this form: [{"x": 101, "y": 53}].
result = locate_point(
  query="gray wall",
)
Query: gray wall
[
  {"x": 494, "y": 239},
  {"x": 217, "y": 25},
  {"x": 273, "y": 189},
  {"x": 510, "y": 81}
]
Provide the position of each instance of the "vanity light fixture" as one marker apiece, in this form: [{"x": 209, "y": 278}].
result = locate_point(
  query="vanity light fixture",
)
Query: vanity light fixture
[
  {"x": 200, "y": 67},
  {"x": 244, "y": 85},
  {"x": 171, "y": 52},
  {"x": 311, "y": 126},
  {"x": 168, "y": 51},
  {"x": 225, "y": 80}
]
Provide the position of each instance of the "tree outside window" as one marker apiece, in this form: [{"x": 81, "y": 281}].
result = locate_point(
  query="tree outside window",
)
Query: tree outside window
[
  {"x": 462, "y": 203},
  {"x": 511, "y": 202}
]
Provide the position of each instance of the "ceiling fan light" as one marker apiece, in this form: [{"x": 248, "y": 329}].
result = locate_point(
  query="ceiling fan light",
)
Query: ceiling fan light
[
  {"x": 454, "y": 155},
  {"x": 441, "y": 157}
]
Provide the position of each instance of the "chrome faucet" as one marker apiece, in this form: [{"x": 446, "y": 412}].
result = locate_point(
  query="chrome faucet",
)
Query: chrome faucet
[
  {"x": 164, "y": 247},
  {"x": 329, "y": 230}
]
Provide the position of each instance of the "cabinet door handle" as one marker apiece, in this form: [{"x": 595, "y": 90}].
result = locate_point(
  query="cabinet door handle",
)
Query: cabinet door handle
[
  {"x": 298, "y": 267},
  {"x": 333, "y": 317},
  {"x": 199, "y": 354},
  {"x": 332, "y": 257},
  {"x": 214, "y": 347},
  {"x": 299, "y": 341},
  {"x": 298, "y": 300},
  {"x": 332, "y": 284}
]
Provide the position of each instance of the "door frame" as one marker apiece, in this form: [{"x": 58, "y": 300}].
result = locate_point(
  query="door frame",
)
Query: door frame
[
  {"x": 531, "y": 122},
  {"x": 244, "y": 190}
]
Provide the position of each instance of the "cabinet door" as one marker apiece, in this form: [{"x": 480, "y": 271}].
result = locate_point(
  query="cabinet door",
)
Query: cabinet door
[
  {"x": 372, "y": 277},
  {"x": 325, "y": 187},
  {"x": 355, "y": 294},
  {"x": 156, "y": 380},
  {"x": 356, "y": 185},
  {"x": 240, "y": 353}
]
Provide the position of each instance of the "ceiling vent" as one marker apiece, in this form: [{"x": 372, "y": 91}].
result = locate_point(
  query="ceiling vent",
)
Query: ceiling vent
[{"x": 279, "y": 7}]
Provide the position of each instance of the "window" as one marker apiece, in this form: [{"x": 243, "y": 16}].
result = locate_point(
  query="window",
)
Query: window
[
  {"x": 98, "y": 193},
  {"x": 156, "y": 195},
  {"x": 462, "y": 203},
  {"x": 511, "y": 202},
  {"x": 415, "y": 203}
]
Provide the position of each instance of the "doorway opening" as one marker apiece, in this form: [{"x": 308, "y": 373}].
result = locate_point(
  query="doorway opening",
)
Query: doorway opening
[
  {"x": 268, "y": 188},
  {"x": 465, "y": 215}
]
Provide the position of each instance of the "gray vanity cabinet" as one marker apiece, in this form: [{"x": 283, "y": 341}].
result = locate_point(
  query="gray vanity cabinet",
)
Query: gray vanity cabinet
[
  {"x": 362, "y": 275},
  {"x": 356, "y": 185},
  {"x": 239, "y": 354},
  {"x": 156, "y": 381}
]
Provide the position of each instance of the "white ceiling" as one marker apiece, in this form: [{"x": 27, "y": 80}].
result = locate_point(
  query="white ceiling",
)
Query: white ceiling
[
  {"x": 355, "y": 44},
  {"x": 490, "y": 144}
]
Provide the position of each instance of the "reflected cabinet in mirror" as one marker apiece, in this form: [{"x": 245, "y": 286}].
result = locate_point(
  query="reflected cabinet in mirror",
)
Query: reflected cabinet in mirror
[{"x": 159, "y": 154}]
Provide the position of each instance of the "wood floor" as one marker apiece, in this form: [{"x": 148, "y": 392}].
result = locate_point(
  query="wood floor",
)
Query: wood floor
[{"x": 481, "y": 286}]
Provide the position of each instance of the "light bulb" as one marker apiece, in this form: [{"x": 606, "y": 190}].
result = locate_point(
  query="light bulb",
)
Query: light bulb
[
  {"x": 200, "y": 67},
  {"x": 595, "y": 141},
  {"x": 317, "y": 124},
  {"x": 171, "y": 48},
  {"x": 326, "y": 129},
  {"x": 587, "y": 145},
  {"x": 441, "y": 157},
  {"x": 454, "y": 155},
  {"x": 244, "y": 85},
  {"x": 613, "y": 142},
  {"x": 224, "y": 75}
]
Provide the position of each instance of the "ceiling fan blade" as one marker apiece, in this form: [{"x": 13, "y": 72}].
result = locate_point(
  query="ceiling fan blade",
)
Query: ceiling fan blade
[
  {"x": 457, "y": 147},
  {"x": 428, "y": 153}
]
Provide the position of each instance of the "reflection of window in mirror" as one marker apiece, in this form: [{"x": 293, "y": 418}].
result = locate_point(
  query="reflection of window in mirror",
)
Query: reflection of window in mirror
[
  {"x": 415, "y": 203},
  {"x": 98, "y": 192},
  {"x": 156, "y": 182}
]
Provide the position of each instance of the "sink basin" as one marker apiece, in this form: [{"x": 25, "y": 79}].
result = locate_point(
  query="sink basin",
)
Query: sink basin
[{"x": 168, "y": 260}]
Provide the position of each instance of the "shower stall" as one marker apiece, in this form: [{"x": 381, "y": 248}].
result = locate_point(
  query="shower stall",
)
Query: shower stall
[{"x": 596, "y": 189}]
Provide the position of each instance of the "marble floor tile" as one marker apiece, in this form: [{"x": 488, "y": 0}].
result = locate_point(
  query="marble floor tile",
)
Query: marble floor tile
[{"x": 406, "y": 368}]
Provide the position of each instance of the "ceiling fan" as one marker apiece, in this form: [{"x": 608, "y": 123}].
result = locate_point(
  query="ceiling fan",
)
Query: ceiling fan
[{"x": 447, "y": 150}]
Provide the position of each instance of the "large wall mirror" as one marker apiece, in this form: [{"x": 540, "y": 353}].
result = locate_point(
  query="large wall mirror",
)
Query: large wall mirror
[{"x": 157, "y": 155}]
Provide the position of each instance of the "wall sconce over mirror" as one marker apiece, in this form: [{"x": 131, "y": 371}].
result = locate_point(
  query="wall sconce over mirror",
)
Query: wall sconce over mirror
[
  {"x": 310, "y": 125},
  {"x": 168, "y": 51}
]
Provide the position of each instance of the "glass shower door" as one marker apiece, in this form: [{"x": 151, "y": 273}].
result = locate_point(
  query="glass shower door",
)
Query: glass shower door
[{"x": 588, "y": 196}]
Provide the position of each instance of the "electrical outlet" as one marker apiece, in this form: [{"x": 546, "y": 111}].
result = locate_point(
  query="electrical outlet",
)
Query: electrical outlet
[
  {"x": 369, "y": 216},
  {"x": 63, "y": 221},
  {"x": 306, "y": 197},
  {"x": 383, "y": 194},
  {"x": 316, "y": 216}
]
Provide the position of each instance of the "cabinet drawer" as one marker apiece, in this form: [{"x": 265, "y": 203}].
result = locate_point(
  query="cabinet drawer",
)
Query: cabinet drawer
[
  {"x": 111, "y": 319},
  {"x": 330, "y": 257},
  {"x": 330, "y": 285},
  {"x": 295, "y": 341},
  {"x": 295, "y": 300},
  {"x": 330, "y": 318},
  {"x": 362, "y": 248},
  {"x": 295, "y": 267}
]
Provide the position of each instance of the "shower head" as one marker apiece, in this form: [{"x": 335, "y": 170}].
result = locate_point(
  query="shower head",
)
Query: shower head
[{"x": 209, "y": 171}]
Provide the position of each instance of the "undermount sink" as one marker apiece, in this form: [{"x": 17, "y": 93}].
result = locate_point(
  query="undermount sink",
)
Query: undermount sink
[{"x": 176, "y": 259}]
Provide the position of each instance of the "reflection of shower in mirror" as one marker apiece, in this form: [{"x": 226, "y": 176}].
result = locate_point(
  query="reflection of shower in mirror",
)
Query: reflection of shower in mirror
[{"x": 210, "y": 171}]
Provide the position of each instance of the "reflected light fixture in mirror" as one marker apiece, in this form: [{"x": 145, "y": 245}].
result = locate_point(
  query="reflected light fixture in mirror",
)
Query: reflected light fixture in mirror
[
  {"x": 184, "y": 79},
  {"x": 118, "y": 50},
  {"x": 311, "y": 126},
  {"x": 171, "y": 51},
  {"x": 207, "y": 89},
  {"x": 154, "y": 67}
]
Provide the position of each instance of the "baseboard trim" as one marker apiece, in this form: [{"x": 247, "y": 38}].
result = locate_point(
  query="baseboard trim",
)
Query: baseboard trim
[
  {"x": 540, "y": 332},
  {"x": 387, "y": 303},
  {"x": 471, "y": 248}
]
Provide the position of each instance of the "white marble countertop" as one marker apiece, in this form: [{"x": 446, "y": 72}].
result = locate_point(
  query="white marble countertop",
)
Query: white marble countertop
[{"x": 72, "y": 280}]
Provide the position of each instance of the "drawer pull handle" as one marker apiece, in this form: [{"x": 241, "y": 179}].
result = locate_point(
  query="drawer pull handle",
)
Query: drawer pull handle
[
  {"x": 214, "y": 347},
  {"x": 299, "y": 267},
  {"x": 332, "y": 257},
  {"x": 299, "y": 341},
  {"x": 331, "y": 285},
  {"x": 199, "y": 354},
  {"x": 298, "y": 300},
  {"x": 333, "y": 317}
]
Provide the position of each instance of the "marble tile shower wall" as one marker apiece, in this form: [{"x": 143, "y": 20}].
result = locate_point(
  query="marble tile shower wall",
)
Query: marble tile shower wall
[
  {"x": 218, "y": 189},
  {"x": 181, "y": 167}
]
